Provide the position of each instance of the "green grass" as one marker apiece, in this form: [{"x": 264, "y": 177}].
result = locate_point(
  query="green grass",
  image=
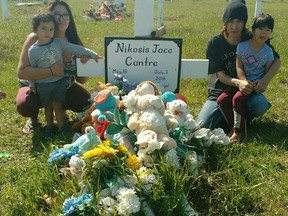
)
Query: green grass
[{"x": 246, "y": 179}]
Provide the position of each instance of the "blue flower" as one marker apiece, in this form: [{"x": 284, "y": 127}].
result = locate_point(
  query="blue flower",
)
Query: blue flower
[
  {"x": 60, "y": 154},
  {"x": 85, "y": 198},
  {"x": 71, "y": 204}
]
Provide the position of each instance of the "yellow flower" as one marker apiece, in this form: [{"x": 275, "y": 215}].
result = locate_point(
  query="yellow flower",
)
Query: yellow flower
[
  {"x": 103, "y": 150},
  {"x": 96, "y": 152},
  {"x": 122, "y": 149},
  {"x": 132, "y": 162},
  {"x": 107, "y": 151},
  {"x": 106, "y": 142}
]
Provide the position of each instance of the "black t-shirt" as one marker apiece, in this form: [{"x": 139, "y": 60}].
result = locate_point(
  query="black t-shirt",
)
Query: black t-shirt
[{"x": 222, "y": 57}]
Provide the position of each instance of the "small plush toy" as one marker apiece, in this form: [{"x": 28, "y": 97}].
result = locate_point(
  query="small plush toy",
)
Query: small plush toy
[
  {"x": 105, "y": 101},
  {"x": 84, "y": 143},
  {"x": 181, "y": 112},
  {"x": 170, "y": 96},
  {"x": 145, "y": 96},
  {"x": 102, "y": 86},
  {"x": 147, "y": 142},
  {"x": 86, "y": 120}
]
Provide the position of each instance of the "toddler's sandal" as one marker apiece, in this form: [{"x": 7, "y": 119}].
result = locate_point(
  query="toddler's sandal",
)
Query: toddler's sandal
[{"x": 29, "y": 127}]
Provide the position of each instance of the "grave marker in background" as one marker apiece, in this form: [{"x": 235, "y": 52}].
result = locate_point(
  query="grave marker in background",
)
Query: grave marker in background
[
  {"x": 5, "y": 9},
  {"x": 258, "y": 7}
]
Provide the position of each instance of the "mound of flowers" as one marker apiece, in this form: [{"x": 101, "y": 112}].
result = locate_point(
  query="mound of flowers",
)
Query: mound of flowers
[
  {"x": 150, "y": 144},
  {"x": 107, "y": 10}
]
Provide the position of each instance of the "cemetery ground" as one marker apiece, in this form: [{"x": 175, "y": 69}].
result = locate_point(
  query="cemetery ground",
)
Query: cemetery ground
[{"x": 245, "y": 179}]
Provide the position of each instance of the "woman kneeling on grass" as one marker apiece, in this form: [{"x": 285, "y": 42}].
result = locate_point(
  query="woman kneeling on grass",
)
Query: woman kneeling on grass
[
  {"x": 77, "y": 97},
  {"x": 221, "y": 52},
  {"x": 253, "y": 60}
]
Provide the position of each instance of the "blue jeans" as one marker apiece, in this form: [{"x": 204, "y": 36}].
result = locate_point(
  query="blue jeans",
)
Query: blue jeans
[{"x": 211, "y": 117}]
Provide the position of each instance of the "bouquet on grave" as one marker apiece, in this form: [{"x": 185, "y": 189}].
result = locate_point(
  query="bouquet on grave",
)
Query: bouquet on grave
[
  {"x": 134, "y": 176},
  {"x": 108, "y": 10}
]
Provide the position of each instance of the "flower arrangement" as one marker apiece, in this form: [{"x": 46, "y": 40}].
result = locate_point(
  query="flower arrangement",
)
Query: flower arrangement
[
  {"x": 108, "y": 10},
  {"x": 124, "y": 85},
  {"x": 125, "y": 174}
]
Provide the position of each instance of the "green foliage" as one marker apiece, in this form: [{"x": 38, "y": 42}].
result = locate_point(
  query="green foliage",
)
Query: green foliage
[
  {"x": 246, "y": 179},
  {"x": 163, "y": 196},
  {"x": 118, "y": 121}
]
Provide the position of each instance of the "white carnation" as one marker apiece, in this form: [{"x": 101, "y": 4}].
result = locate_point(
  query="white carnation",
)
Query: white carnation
[
  {"x": 106, "y": 206},
  {"x": 128, "y": 201},
  {"x": 220, "y": 137},
  {"x": 76, "y": 162}
]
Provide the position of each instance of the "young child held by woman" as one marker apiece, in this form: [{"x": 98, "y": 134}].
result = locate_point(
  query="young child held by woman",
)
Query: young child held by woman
[
  {"x": 43, "y": 54},
  {"x": 253, "y": 59}
]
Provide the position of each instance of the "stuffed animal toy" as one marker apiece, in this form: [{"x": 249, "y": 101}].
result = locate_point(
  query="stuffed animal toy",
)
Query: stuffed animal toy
[
  {"x": 147, "y": 113},
  {"x": 86, "y": 120},
  {"x": 105, "y": 101},
  {"x": 84, "y": 143},
  {"x": 102, "y": 86},
  {"x": 181, "y": 112},
  {"x": 170, "y": 96},
  {"x": 145, "y": 96},
  {"x": 147, "y": 142}
]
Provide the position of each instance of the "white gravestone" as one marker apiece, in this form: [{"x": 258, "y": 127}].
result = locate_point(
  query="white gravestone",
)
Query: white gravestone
[
  {"x": 140, "y": 59},
  {"x": 258, "y": 7},
  {"x": 5, "y": 9}
]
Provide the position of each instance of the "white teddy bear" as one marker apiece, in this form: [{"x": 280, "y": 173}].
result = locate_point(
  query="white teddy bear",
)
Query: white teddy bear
[
  {"x": 145, "y": 96},
  {"x": 181, "y": 112},
  {"x": 146, "y": 111}
]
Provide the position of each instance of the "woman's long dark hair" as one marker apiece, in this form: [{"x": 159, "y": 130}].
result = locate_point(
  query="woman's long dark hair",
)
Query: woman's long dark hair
[{"x": 71, "y": 31}]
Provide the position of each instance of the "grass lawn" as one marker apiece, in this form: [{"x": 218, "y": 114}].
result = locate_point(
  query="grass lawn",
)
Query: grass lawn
[{"x": 246, "y": 179}]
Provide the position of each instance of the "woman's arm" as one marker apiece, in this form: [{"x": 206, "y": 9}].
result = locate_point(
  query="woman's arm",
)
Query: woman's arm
[
  {"x": 25, "y": 71},
  {"x": 262, "y": 84},
  {"x": 240, "y": 69},
  {"x": 243, "y": 85}
]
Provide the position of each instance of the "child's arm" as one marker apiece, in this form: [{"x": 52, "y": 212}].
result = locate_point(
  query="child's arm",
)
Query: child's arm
[
  {"x": 240, "y": 70},
  {"x": 271, "y": 68},
  {"x": 79, "y": 50},
  {"x": 267, "y": 67}
]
